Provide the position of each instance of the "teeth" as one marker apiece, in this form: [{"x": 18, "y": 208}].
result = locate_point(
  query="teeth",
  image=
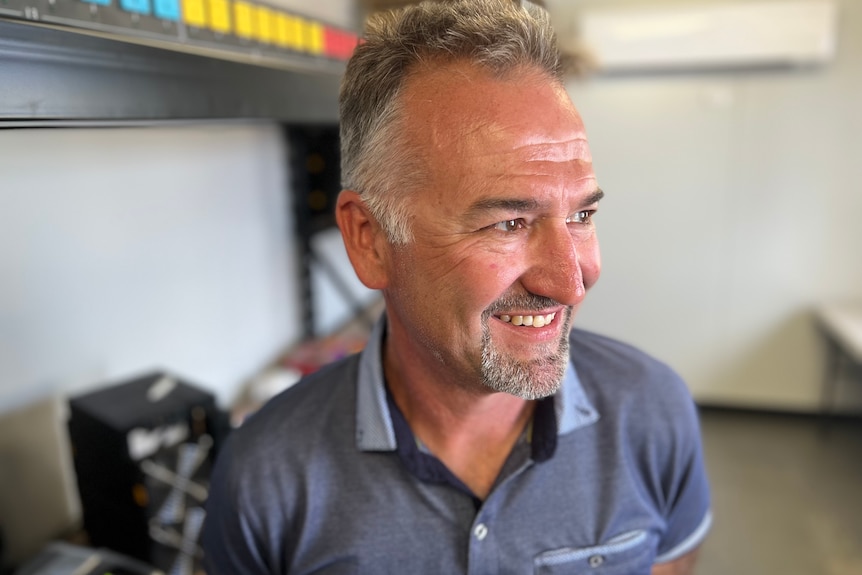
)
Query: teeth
[{"x": 529, "y": 320}]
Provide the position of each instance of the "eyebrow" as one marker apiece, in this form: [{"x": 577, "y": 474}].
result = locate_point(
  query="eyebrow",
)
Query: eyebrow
[
  {"x": 594, "y": 198},
  {"x": 520, "y": 205}
]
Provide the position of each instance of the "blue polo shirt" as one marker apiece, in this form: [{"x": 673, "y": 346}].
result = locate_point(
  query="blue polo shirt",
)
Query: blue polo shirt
[{"x": 328, "y": 478}]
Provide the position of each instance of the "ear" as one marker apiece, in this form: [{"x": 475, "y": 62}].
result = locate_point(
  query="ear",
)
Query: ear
[{"x": 366, "y": 242}]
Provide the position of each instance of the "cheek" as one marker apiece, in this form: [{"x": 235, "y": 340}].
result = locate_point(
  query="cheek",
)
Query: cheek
[
  {"x": 474, "y": 281},
  {"x": 489, "y": 280},
  {"x": 480, "y": 283}
]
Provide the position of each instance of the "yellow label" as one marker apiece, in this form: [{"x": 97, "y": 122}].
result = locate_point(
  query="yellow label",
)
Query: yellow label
[
  {"x": 282, "y": 30},
  {"x": 194, "y": 13},
  {"x": 243, "y": 19},
  {"x": 304, "y": 34},
  {"x": 219, "y": 15},
  {"x": 314, "y": 42},
  {"x": 295, "y": 40},
  {"x": 265, "y": 25}
]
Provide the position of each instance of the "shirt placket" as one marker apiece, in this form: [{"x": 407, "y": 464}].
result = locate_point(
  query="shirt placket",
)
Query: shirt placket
[{"x": 485, "y": 554}]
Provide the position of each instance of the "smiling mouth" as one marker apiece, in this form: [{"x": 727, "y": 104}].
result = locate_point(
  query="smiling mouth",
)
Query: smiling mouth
[{"x": 528, "y": 320}]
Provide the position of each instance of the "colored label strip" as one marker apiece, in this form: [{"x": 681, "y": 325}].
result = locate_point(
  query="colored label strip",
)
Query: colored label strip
[
  {"x": 167, "y": 9},
  {"x": 243, "y": 18},
  {"x": 250, "y": 21},
  {"x": 218, "y": 16},
  {"x": 194, "y": 13},
  {"x": 137, "y": 6},
  {"x": 266, "y": 25}
]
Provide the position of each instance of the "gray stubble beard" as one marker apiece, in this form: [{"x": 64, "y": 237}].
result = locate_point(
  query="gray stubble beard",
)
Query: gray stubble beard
[{"x": 533, "y": 379}]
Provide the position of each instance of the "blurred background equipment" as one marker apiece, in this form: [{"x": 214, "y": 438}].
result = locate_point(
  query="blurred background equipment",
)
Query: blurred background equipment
[
  {"x": 66, "y": 559},
  {"x": 143, "y": 450}
]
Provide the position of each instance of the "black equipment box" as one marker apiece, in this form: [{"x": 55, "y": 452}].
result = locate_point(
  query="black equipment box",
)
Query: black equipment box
[{"x": 143, "y": 451}]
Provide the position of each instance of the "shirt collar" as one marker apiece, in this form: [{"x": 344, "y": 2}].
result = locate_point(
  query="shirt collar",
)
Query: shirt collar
[{"x": 374, "y": 431}]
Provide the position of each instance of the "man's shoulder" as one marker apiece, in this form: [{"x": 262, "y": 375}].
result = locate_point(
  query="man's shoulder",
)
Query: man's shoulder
[
  {"x": 599, "y": 353},
  {"x": 615, "y": 373},
  {"x": 320, "y": 402}
]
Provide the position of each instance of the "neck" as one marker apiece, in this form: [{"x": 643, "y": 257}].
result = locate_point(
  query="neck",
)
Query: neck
[{"x": 469, "y": 428}]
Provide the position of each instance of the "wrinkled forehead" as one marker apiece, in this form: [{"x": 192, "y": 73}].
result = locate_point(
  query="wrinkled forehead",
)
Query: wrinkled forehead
[{"x": 458, "y": 107}]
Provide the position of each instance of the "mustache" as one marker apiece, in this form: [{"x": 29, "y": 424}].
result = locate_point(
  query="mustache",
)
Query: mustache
[{"x": 526, "y": 302}]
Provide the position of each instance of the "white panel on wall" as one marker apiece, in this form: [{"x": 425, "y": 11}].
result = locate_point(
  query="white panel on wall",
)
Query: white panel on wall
[
  {"x": 693, "y": 34},
  {"x": 133, "y": 248}
]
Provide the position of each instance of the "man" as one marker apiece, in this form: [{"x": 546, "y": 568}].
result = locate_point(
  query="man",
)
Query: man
[{"x": 477, "y": 432}]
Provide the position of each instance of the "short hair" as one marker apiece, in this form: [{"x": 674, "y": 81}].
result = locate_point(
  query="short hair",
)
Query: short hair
[{"x": 499, "y": 36}]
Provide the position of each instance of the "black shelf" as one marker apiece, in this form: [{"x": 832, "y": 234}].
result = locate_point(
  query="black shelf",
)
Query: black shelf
[
  {"x": 315, "y": 159},
  {"x": 53, "y": 74}
]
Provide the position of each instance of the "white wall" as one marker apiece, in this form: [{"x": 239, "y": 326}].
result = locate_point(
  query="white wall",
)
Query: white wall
[
  {"x": 733, "y": 205},
  {"x": 127, "y": 249}
]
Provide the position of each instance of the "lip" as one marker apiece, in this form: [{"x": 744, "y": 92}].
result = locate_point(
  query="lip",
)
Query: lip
[{"x": 525, "y": 342}]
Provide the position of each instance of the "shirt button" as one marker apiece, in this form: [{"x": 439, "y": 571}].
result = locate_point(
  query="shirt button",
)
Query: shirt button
[
  {"x": 481, "y": 531},
  {"x": 596, "y": 561}
]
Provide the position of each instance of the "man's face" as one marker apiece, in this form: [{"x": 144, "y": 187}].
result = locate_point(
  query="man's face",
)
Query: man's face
[{"x": 504, "y": 245}]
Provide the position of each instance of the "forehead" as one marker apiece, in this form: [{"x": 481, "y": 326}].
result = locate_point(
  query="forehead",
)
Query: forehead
[{"x": 457, "y": 111}]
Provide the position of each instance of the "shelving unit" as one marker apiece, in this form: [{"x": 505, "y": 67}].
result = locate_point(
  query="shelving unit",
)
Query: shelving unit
[
  {"x": 133, "y": 62},
  {"x": 315, "y": 169},
  {"x": 52, "y": 75},
  {"x": 240, "y": 30}
]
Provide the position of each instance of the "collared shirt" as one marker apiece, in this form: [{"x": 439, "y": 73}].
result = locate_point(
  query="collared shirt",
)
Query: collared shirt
[
  {"x": 314, "y": 483},
  {"x": 572, "y": 409}
]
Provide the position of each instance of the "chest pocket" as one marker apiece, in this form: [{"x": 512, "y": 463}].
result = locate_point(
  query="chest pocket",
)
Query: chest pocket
[{"x": 631, "y": 553}]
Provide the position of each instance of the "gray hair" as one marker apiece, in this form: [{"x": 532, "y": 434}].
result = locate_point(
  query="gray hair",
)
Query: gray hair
[{"x": 377, "y": 162}]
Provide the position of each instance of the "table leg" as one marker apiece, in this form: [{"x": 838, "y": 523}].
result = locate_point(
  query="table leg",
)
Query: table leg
[{"x": 830, "y": 384}]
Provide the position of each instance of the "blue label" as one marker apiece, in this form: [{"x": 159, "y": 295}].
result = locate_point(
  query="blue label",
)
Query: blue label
[
  {"x": 139, "y": 6},
  {"x": 101, "y": 2},
  {"x": 167, "y": 9}
]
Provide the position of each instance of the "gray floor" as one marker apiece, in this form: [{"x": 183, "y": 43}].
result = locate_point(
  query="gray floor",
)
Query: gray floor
[{"x": 787, "y": 499}]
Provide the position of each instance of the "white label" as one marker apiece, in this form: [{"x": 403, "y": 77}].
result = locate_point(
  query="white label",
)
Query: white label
[
  {"x": 144, "y": 442},
  {"x": 161, "y": 388}
]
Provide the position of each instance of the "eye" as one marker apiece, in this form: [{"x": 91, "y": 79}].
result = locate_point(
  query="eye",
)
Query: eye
[
  {"x": 582, "y": 217},
  {"x": 509, "y": 225}
]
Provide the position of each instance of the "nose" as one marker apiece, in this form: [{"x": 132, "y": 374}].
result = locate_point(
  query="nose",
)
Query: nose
[{"x": 555, "y": 265}]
